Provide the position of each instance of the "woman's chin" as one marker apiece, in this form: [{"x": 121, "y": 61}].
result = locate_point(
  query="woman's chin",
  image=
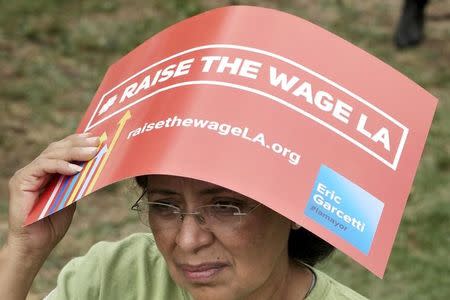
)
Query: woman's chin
[{"x": 208, "y": 292}]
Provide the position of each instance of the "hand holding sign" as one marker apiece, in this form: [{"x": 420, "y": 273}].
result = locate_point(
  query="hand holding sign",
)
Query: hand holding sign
[{"x": 38, "y": 239}]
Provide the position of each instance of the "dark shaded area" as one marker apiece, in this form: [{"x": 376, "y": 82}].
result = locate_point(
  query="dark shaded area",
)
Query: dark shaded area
[{"x": 410, "y": 29}]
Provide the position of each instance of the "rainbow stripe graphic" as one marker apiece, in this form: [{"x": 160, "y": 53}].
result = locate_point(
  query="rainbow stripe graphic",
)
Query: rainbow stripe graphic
[
  {"x": 68, "y": 189},
  {"x": 71, "y": 188}
]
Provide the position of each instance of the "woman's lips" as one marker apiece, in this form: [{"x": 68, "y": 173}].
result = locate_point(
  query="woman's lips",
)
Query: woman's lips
[{"x": 202, "y": 272}]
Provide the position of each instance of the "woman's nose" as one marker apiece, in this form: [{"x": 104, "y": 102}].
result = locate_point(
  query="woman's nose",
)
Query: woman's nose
[{"x": 191, "y": 236}]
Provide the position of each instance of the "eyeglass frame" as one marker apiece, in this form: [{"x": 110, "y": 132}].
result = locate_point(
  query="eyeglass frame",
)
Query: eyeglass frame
[{"x": 198, "y": 216}]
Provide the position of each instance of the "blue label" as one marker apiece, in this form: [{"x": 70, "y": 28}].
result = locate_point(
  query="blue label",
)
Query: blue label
[{"x": 344, "y": 208}]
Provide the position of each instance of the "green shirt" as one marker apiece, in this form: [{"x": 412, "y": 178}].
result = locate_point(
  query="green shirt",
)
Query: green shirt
[{"x": 135, "y": 269}]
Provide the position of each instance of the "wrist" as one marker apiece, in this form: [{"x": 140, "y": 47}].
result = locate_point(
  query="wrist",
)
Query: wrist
[
  {"x": 23, "y": 261},
  {"x": 20, "y": 249},
  {"x": 19, "y": 259}
]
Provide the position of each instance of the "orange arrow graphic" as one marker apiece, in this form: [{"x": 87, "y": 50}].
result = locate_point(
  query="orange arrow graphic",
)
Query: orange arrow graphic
[{"x": 121, "y": 124}]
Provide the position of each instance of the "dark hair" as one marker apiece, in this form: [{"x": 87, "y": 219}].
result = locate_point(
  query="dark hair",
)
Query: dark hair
[{"x": 303, "y": 245}]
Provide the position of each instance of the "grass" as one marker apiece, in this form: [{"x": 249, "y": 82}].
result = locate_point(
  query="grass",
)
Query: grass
[{"x": 53, "y": 55}]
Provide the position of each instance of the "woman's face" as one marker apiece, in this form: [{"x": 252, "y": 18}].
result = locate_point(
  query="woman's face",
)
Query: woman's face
[{"x": 229, "y": 262}]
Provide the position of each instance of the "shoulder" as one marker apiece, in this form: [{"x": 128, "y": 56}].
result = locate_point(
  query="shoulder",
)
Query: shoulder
[
  {"x": 134, "y": 248},
  {"x": 330, "y": 289},
  {"x": 126, "y": 269},
  {"x": 108, "y": 258}
]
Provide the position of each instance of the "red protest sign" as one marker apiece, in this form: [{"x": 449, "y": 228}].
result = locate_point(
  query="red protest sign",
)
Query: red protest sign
[{"x": 281, "y": 111}]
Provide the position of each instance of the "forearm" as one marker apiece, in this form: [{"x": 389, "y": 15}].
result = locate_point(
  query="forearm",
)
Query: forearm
[{"x": 17, "y": 273}]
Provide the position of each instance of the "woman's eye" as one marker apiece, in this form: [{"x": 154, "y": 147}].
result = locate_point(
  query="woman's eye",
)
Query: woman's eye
[
  {"x": 162, "y": 209},
  {"x": 229, "y": 201},
  {"x": 223, "y": 210}
]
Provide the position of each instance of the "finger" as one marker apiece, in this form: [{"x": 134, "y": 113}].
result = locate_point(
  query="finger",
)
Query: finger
[
  {"x": 43, "y": 166},
  {"x": 32, "y": 177},
  {"x": 82, "y": 140},
  {"x": 75, "y": 140},
  {"x": 72, "y": 153}
]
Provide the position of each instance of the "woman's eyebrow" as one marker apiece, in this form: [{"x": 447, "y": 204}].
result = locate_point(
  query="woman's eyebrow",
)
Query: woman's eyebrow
[
  {"x": 215, "y": 190},
  {"x": 162, "y": 191}
]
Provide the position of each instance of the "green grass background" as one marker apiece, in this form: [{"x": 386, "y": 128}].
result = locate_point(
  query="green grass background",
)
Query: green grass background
[{"x": 53, "y": 54}]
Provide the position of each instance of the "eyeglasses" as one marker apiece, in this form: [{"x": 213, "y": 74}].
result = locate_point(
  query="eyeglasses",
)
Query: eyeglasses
[{"x": 160, "y": 215}]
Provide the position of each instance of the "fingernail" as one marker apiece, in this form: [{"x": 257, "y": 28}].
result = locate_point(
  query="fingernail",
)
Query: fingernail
[
  {"x": 93, "y": 139},
  {"x": 91, "y": 149},
  {"x": 85, "y": 134},
  {"x": 75, "y": 168}
]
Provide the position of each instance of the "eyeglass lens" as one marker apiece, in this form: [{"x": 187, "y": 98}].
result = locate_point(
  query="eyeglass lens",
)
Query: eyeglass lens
[{"x": 163, "y": 216}]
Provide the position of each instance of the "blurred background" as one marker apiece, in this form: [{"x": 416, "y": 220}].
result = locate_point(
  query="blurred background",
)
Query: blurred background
[{"x": 53, "y": 55}]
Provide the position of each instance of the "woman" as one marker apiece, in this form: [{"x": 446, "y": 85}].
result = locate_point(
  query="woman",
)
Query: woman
[{"x": 207, "y": 242}]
